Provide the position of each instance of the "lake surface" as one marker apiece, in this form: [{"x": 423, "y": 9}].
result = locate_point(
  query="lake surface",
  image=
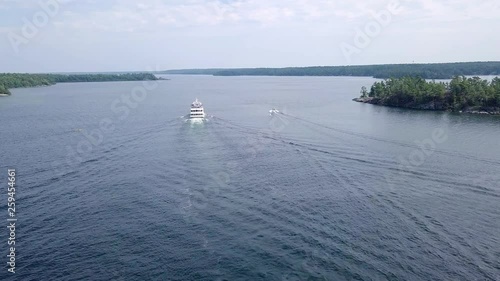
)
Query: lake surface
[{"x": 112, "y": 184}]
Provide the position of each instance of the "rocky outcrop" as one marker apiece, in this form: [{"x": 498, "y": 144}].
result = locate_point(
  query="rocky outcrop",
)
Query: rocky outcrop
[
  {"x": 482, "y": 110},
  {"x": 367, "y": 100}
]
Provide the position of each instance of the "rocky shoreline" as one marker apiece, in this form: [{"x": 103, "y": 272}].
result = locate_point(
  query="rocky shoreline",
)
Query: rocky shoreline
[{"x": 433, "y": 106}]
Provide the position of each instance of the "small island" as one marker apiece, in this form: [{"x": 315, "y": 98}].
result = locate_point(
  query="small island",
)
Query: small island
[
  {"x": 461, "y": 94},
  {"x": 25, "y": 80}
]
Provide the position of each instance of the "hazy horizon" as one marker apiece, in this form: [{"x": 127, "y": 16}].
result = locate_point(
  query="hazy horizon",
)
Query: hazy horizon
[
  {"x": 120, "y": 36},
  {"x": 227, "y": 68}
]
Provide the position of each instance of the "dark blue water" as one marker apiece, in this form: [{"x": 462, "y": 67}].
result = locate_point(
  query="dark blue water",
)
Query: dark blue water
[{"x": 112, "y": 186}]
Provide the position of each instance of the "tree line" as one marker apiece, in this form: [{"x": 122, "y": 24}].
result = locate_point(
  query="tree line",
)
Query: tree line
[
  {"x": 22, "y": 80},
  {"x": 460, "y": 93},
  {"x": 426, "y": 71}
]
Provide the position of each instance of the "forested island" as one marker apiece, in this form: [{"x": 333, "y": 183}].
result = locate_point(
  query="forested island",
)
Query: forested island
[
  {"x": 426, "y": 71},
  {"x": 23, "y": 80},
  {"x": 461, "y": 94}
]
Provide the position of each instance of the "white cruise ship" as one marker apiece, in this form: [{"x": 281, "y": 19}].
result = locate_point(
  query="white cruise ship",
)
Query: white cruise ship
[{"x": 197, "y": 112}]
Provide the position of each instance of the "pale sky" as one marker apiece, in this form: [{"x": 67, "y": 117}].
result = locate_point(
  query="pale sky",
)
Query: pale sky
[{"x": 127, "y": 35}]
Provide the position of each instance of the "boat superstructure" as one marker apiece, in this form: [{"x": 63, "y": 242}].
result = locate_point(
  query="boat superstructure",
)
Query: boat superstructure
[
  {"x": 273, "y": 111},
  {"x": 197, "y": 111}
]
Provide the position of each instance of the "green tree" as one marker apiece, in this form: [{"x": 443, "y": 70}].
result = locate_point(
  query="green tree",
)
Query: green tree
[
  {"x": 364, "y": 92},
  {"x": 3, "y": 90}
]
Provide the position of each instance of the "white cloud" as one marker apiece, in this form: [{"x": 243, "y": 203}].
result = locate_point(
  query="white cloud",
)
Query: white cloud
[
  {"x": 130, "y": 15},
  {"x": 134, "y": 15},
  {"x": 237, "y": 33},
  {"x": 450, "y": 11}
]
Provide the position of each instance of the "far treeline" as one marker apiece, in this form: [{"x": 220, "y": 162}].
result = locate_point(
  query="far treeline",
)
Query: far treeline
[
  {"x": 426, "y": 71},
  {"x": 21, "y": 80},
  {"x": 460, "y": 94}
]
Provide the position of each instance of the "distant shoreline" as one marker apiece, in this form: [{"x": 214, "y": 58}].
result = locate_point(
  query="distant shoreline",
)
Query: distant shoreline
[
  {"x": 381, "y": 71},
  {"x": 24, "y": 80}
]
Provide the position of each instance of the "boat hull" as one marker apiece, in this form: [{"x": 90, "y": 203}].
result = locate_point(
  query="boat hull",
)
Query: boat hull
[{"x": 196, "y": 119}]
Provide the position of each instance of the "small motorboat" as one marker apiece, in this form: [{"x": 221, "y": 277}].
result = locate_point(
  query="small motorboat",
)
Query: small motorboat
[{"x": 273, "y": 111}]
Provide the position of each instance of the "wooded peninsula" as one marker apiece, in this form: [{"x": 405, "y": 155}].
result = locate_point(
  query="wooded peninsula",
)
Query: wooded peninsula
[
  {"x": 24, "y": 80},
  {"x": 461, "y": 94},
  {"x": 426, "y": 71}
]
